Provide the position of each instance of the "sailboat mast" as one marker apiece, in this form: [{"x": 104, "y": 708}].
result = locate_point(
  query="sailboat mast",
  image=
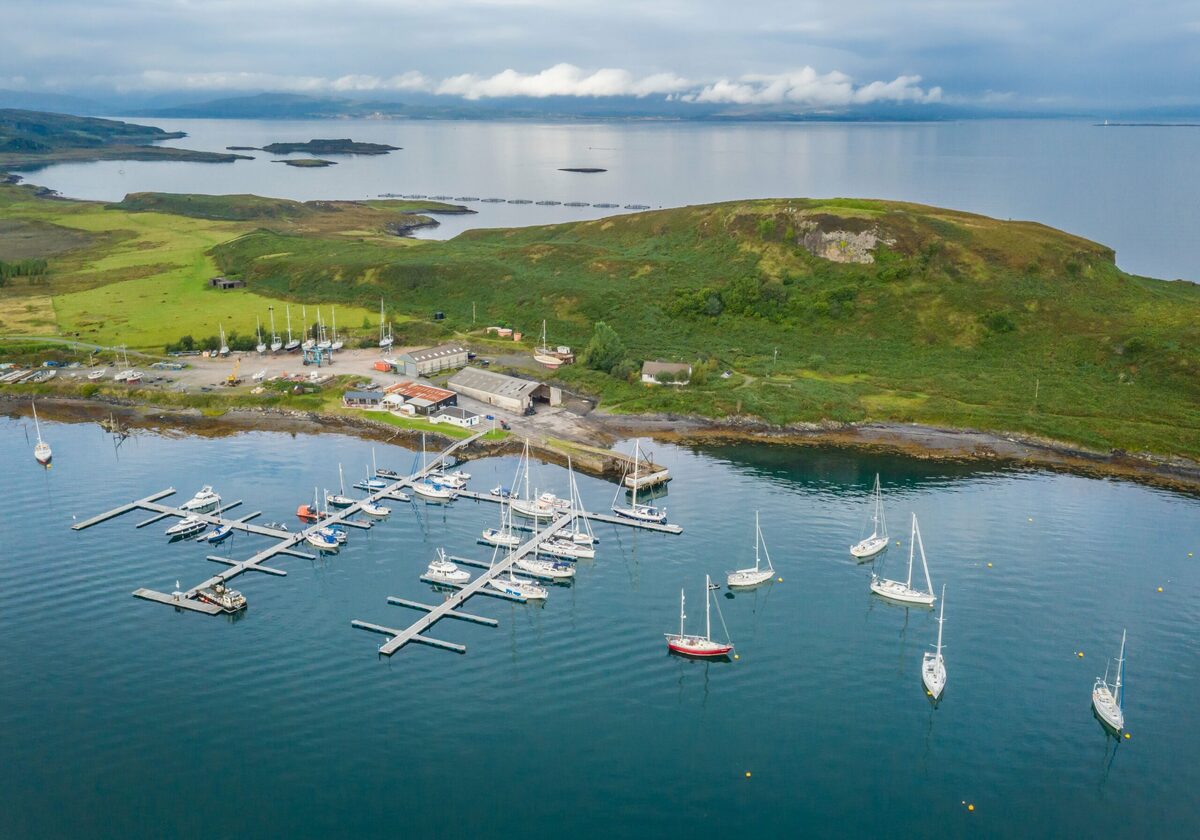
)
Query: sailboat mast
[
  {"x": 707, "y": 608},
  {"x": 681, "y": 615},
  {"x": 912, "y": 539},
  {"x": 637, "y": 453},
  {"x": 1120, "y": 662},
  {"x": 941, "y": 618},
  {"x": 274, "y": 336},
  {"x": 289, "y": 323},
  {"x": 341, "y": 481},
  {"x": 525, "y": 457},
  {"x": 924, "y": 562},
  {"x": 36, "y": 424},
  {"x": 875, "y": 518},
  {"x": 757, "y": 536}
]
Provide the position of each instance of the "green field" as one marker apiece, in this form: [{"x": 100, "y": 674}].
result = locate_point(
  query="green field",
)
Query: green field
[{"x": 843, "y": 310}]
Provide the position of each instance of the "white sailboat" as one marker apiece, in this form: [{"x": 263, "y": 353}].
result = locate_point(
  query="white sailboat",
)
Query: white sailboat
[
  {"x": 502, "y": 536},
  {"x": 510, "y": 584},
  {"x": 292, "y": 343},
  {"x": 878, "y": 540},
  {"x": 340, "y": 499},
  {"x": 543, "y": 506},
  {"x": 903, "y": 592},
  {"x": 337, "y": 344},
  {"x": 385, "y": 331},
  {"x": 97, "y": 374},
  {"x": 323, "y": 342},
  {"x": 701, "y": 646},
  {"x": 276, "y": 342},
  {"x": 579, "y": 529},
  {"x": 1106, "y": 699},
  {"x": 127, "y": 373},
  {"x": 542, "y": 354},
  {"x": 41, "y": 450},
  {"x": 641, "y": 513},
  {"x": 223, "y": 348},
  {"x": 933, "y": 665},
  {"x": 555, "y": 569},
  {"x": 309, "y": 342},
  {"x": 261, "y": 347},
  {"x": 759, "y": 574},
  {"x": 429, "y": 488}
]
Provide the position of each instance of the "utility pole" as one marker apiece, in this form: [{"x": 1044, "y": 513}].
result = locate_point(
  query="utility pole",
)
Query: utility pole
[{"x": 472, "y": 312}]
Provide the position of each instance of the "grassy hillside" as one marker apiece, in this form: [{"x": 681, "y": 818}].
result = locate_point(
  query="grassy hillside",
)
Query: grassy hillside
[{"x": 955, "y": 319}]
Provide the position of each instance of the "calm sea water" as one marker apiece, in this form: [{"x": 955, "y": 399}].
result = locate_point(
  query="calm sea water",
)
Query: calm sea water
[
  {"x": 1129, "y": 188},
  {"x": 123, "y": 718}
]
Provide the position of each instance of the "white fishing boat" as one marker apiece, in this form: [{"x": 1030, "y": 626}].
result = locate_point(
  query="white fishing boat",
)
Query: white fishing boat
[
  {"x": 933, "y": 666},
  {"x": 187, "y": 526},
  {"x": 337, "y": 344},
  {"x": 385, "y": 330},
  {"x": 223, "y": 347},
  {"x": 1106, "y": 699},
  {"x": 868, "y": 547},
  {"x": 339, "y": 500},
  {"x": 261, "y": 347},
  {"x": 97, "y": 374},
  {"x": 701, "y": 646},
  {"x": 41, "y": 450},
  {"x": 276, "y": 341},
  {"x": 635, "y": 511},
  {"x": 760, "y": 573},
  {"x": 292, "y": 343},
  {"x": 229, "y": 600},
  {"x": 902, "y": 591},
  {"x": 205, "y": 500},
  {"x": 443, "y": 571}
]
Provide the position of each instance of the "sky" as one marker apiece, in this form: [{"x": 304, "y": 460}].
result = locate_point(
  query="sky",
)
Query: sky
[{"x": 797, "y": 55}]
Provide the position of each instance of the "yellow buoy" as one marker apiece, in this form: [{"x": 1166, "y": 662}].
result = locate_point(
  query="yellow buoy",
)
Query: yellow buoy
[
  {"x": 989, "y": 565},
  {"x": 736, "y": 656},
  {"x": 1079, "y": 654},
  {"x": 747, "y": 774},
  {"x": 779, "y": 579},
  {"x": 1160, "y": 589},
  {"x": 1127, "y": 736},
  {"x": 971, "y": 807},
  {"x": 928, "y": 693}
]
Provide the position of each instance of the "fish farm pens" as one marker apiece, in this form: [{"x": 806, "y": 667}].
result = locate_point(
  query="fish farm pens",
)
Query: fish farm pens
[{"x": 288, "y": 541}]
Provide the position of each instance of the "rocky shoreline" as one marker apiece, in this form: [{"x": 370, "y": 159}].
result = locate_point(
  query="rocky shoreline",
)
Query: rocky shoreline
[{"x": 926, "y": 442}]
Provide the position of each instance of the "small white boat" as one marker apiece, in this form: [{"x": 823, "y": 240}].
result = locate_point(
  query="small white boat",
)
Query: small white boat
[
  {"x": 869, "y": 546},
  {"x": 759, "y": 574},
  {"x": 500, "y": 537},
  {"x": 223, "y": 350},
  {"x": 635, "y": 511},
  {"x": 933, "y": 666},
  {"x": 337, "y": 343},
  {"x": 41, "y": 450},
  {"x": 557, "y": 569},
  {"x": 309, "y": 342},
  {"x": 323, "y": 342},
  {"x": 339, "y": 500},
  {"x": 443, "y": 571},
  {"x": 260, "y": 376},
  {"x": 376, "y": 510},
  {"x": 229, "y": 600},
  {"x": 510, "y": 584},
  {"x": 97, "y": 374},
  {"x": 292, "y": 343},
  {"x": 321, "y": 541},
  {"x": 566, "y": 549},
  {"x": 903, "y": 592},
  {"x": 187, "y": 526},
  {"x": 205, "y": 500},
  {"x": 700, "y": 646},
  {"x": 133, "y": 376},
  {"x": 501, "y": 492},
  {"x": 261, "y": 347},
  {"x": 1106, "y": 699}
]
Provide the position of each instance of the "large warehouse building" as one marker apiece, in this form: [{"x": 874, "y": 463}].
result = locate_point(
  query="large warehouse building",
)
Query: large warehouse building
[
  {"x": 432, "y": 360},
  {"x": 506, "y": 392}
]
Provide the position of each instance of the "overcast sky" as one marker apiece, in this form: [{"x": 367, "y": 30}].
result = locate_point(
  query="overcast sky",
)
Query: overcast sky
[{"x": 799, "y": 53}]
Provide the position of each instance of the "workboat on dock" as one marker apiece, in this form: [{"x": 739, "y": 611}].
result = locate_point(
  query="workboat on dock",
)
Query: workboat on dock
[
  {"x": 699, "y": 646},
  {"x": 442, "y": 570},
  {"x": 229, "y": 600},
  {"x": 187, "y": 526},
  {"x": 204, "y": 501}
]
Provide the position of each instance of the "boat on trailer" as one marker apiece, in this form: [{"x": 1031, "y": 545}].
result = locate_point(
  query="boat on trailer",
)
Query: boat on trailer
[
  {"x": 903, "y": 592},
  {"x": 745, "y": 578},
  {"x": 704, "y": 647},
  {"x": 869, "y": 546}
]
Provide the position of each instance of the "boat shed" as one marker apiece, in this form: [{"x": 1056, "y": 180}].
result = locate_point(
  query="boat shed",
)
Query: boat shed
[
  {"x": 431, "y": 360},
  {"x": 424, "y": 399},
  {"x": 506, "y": 392},
  {"x": 456, "y": 416}
]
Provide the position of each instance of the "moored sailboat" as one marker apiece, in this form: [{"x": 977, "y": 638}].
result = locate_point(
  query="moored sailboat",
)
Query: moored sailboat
[
  {"x": 699, "y": 646},
  {"x": 41, "y": 450},
  {"x": 868, "y": 547},
  {"x": 1106, "y": 699},
  {"x": 933, "y": 665},
  {"x": 635, "y": 511},
  {"x": 759, "y": 574},
  {"x": 903, "y": 592}
]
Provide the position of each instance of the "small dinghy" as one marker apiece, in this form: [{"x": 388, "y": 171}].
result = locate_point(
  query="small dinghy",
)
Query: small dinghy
[
  {"x": 933, "y": 666},
  {"x": 1106, "y": 699},
  {"x": 903, "y": 592},
  {"x": 443, "y": 571},
  {"x": 699, "y": 646},
  {"x": 868, "y": 547},
  {"x": 218, "y": 534},
  {"x": 745, "y": 578}
]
